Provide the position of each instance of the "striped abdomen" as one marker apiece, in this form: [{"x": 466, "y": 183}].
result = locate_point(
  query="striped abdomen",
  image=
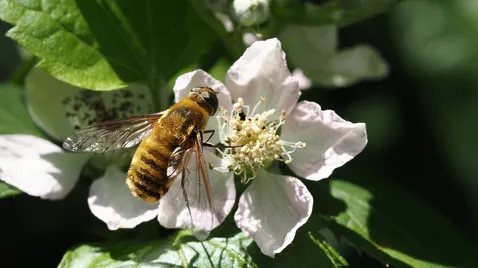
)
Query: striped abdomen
[{"x": 147, "y": 177}]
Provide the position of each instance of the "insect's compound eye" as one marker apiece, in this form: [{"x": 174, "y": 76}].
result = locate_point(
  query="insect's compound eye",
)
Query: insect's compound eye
[
  {"x": 211, "y": 99},
  {"x": 196, "y": 89},
  {"x": 205, "y": 95}
]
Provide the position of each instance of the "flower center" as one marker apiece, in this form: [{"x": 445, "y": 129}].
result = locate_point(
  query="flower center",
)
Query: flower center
[{"x": 253, "y": 139}]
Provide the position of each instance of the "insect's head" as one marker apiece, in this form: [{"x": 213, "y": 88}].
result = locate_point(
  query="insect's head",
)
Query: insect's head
[{"x": 209, "y": 96}]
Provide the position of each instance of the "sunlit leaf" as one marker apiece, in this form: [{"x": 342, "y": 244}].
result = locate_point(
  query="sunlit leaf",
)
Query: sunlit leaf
[
  {"x": 147, "y": 39},
  {"x": 171, "y": 252},
  {"x": 7, "y": 190},
  {"x": 330, "y": 252},
  {"x": 104, "y": 45},
  {"x": 56, "y": 32}
]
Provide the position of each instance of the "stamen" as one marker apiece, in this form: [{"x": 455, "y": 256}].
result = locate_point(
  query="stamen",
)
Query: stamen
[
  {"x": 257, "y": 137},
  {"x": 261, "y": 100}
]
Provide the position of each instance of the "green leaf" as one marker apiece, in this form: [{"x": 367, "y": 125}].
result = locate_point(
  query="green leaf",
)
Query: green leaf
[
  {"x": 104, "y": 45},
  {"x": 14, "y": 117},
  {"x": 179, "y": 251},
  {"x": 338, "y": 12},
  {"x": 314, "y": 50},
  {"x": 7, "y": 190},
  {"x": 152, "y": 39},
  {"x": 56, "y": 32},
  {"x": 394, "y": 227},
  {"x": 334, "y": 257},
  {"x": 304, "y": 251}
]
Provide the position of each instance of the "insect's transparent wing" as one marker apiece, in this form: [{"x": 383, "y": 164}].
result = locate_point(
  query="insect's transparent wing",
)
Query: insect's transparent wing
[
  {"x": 190, "y": 196},
  {"x": 187, "y": 204},
  {"x": 112, "y": 135},
  {"x": 177, "y": 162}
]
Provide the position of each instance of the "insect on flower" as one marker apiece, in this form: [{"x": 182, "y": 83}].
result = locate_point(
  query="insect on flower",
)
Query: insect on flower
[{"x": 168, "y": 141}]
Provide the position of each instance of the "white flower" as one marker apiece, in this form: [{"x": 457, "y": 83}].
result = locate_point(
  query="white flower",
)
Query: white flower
[
  {"x": 42, "y": 168},
  {"x": 311, "y": 141},
  {"x": 302, "y": 79}
]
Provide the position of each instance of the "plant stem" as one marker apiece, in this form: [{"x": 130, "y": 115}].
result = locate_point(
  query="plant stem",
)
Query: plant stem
[
  {"x": 163, "y": 98},
  {"x": 160, "y": 93}
]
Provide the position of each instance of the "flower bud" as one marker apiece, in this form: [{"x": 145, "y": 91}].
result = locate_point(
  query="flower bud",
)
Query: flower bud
[{"x": 251, "y": 12}]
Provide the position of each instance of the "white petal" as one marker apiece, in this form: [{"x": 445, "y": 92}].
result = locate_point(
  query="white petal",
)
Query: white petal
[
  {"x": 271, "y": 210},
  {"x": 302, "y": 79},
  {"x": 200, "y": 78},
  {"x": 173, "y": 212},
  {"x": 330, "y": 140},
  {"x": 262, "y": 72},
  {"x": 56, "y": 106},
  {"x": 38, "y": 167},
  {"x": 111, "y": 201}
]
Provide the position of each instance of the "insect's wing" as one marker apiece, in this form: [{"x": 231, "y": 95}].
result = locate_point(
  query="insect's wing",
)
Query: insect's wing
[
  {"x": 177, "y": 162},
  {"x": 190, "y": 194},
  {"x": 112, "y": 135}
]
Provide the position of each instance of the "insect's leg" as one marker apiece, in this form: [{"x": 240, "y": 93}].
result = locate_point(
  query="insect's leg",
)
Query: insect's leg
[
  {"x": 219, "y": 146},
  {"x": 212, "y": 131},
  {"x": 206, "y": 143}
]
